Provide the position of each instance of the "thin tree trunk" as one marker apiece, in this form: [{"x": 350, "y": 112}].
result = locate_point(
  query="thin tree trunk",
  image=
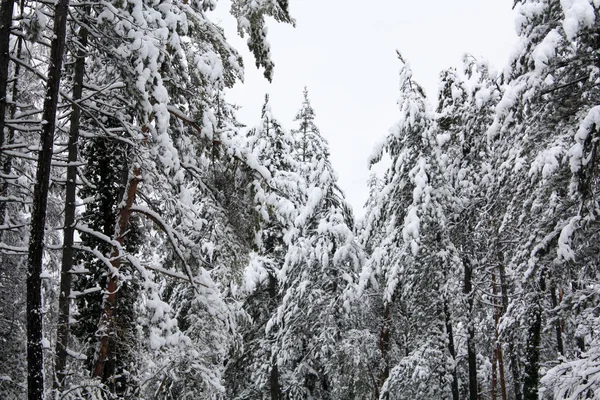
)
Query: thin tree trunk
[
  {"x": 514, "y": 366},
  {"x": 64, "y": 302},
  {"x": 532, "y": 364},
  {"x": 471, "y": 356},
  {"x": 494, "y": 374},
  {"x": 384, "y": 342},
  {"x": 452, "y": 351},
  {"x": 105, "y": 330},
  {"x": 557, "y": 325},
  {"x": 275, "y": 387},
  {"x": 35, "y": 365},
  {"x": 498, "y": 346},
  {"x": 6, "y": 12}
]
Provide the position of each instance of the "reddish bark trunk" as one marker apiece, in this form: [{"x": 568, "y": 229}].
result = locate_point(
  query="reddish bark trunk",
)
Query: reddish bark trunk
[{"x": 110, "y": 303}]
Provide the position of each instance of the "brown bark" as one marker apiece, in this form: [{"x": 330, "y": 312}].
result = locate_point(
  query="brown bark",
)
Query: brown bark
[
  {"x": 494, "y": 374},
  {"x": 498, "y": 356},
  {"x": 105, "y": 331},
  {"x": 64, "y": 302},
  {"x": 35, "y": 365}
]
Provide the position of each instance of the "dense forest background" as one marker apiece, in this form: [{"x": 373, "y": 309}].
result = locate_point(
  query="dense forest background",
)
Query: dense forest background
[{"x": 152, "y": 247}]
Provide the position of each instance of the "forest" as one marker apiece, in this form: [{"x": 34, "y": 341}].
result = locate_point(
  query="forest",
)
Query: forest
[{"x": 154, "y": 247}]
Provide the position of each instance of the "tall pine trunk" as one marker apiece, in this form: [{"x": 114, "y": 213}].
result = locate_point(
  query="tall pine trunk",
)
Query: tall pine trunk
[
  {"x": 452, "y": 351},
  {"x": 64, "y": 302},
  {"x": 275, "y": 387},
  {"x": 514, "y": 366},
  {"x": 557, "y": 324},
  {"x": 498, "y": 355},
  {"x": 106, "y": 327},
  {"x": 35, "y": 356},
  {"x": 471, "y": 354},
  {"x": 6, "y": 12},
  {"x": 531, "y": 379}
]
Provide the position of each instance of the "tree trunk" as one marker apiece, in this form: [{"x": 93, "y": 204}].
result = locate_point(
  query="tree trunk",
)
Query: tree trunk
[
  {"x": 105, "y": 329},
  {"x": 557, "y": 325},
  {"x": 452, "y": 351},
  {"x": 531, "y": 379},
  {"x": 499, "y": 357},
  {"x": 514, "y": 366},
  {"x": 384, "y": 342},
  {"x": 275, "y": 387},
  {"x": 6, "y": 12},
  {"x": 532, "y": 363},
  {"x": 494, "y": 374},
  {"x": 471, "y": 355},
  {"x": 64, "y": 302},
  {"x": 35, "y": 365}
]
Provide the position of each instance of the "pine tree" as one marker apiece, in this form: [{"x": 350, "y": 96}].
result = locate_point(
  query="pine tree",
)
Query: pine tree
[
  {"x": 276, "y": 190},
  {"x": 318, "y": 273},
  {"x": 414, "y": 257},
  {"x": 540, "y": 132},
  {"x": 35, "y": 368}
]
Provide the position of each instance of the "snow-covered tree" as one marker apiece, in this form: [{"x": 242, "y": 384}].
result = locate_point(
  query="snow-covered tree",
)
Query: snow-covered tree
[
  {"x": 411, "y": 253},
  {"x": 320, "y": 265}
]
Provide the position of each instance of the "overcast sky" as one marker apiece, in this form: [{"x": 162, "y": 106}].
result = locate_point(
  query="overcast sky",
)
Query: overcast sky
[{"x": 344, "y": 51}]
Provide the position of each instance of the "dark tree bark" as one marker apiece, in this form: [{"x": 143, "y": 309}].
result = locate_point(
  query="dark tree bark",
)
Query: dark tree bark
[
  {"x": 514, "y": 365},
  {"x": 6, "y": 12},
  {"x": 452, "y": 351},
  {"x": 498, "y": 355},
  {"x": 35, "y": 365},
  {"x": 275, "y": 387},
  {"x": 531, "y": 379},
  {"x": 64, "y": 302},
  {"x": 105, "y": 330},
  {"x": 557, "y": 324},
  {"x": 471, "y": 355},
  {"x": 384, "y": 342}
]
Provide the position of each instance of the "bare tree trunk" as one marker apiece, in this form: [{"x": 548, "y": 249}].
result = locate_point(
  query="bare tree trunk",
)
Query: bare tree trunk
[
  {"x": 35, "y": 356},
  {"x": 471, "y": 355},
  {"x": 6, "y": 12},
  {"x": 105, "y": 330},
  {"x": 275, "y": 387},
  {"x": 384, "y": 342},
  {"x": 514, "y": 366},
  {"x": 452, "y": 351},
  {"x": 64, "y": 302},
  {"x": 557, "y": 325},
  {"x": 494, "y": 373},
  {"x": 532, "y": 364},
  {"x": 498, "y": 346}
]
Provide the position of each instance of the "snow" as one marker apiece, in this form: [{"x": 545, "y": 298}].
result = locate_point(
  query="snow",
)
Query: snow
[
  {"x": 579, "y": 14},
  {"x": 547, "y": 162},
  {"x": 564, "y": 251},
  {"x": 45, "y": 275},
  {"x": 482, "y": 97},
  {"x": 546, "y": 50}
]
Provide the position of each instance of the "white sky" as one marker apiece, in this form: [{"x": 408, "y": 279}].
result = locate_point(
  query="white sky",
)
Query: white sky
[{"x": 344, "y": 51}]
